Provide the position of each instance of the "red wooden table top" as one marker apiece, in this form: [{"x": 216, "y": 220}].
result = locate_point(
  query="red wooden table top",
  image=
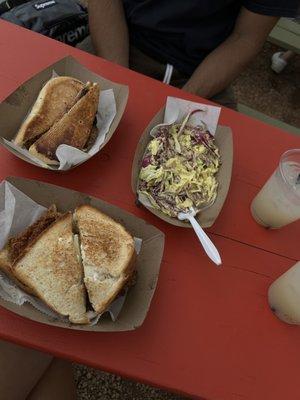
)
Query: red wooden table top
[{"x": 209, "y": 332}]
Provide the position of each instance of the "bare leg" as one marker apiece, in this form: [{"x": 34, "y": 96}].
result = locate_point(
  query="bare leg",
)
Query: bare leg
[
  {"x": 56, "y": 383},
  {"x": 287, "y": 55},
  {"x": 20, "y": 370}
]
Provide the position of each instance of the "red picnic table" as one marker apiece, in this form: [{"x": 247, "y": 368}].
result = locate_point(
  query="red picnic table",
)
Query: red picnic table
[{"x": 209, "y": 332}]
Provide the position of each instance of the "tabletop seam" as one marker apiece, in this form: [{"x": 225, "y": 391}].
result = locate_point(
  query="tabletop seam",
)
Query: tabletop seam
[{"x": 254, "y": 246}]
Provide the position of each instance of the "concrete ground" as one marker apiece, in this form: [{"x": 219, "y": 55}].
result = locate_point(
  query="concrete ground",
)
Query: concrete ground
[{"x": 261, "y": 89}]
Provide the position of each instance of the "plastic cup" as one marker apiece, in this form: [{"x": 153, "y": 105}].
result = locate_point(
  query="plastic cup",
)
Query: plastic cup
[
  {"x": 284, "y": 296},
  {"x": 278, "y": 202}
]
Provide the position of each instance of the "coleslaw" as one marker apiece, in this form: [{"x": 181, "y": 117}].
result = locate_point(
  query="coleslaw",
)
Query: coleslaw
[{"x": 179, "y": 168}]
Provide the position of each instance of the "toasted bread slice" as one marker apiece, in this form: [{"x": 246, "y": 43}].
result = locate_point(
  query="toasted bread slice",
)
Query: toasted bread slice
[
  {"x": 6, "y": 266},
  {"x": 50, "y": 266},
  {"x": 73, "y": 129},
  {"x": 54, "y": 100},
  {"x": 18, "y": 244},
  {"x": 108, "y": 255}
]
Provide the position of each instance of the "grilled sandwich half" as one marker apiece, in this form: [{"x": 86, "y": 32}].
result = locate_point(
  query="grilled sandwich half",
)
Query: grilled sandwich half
[
  {"x": 55, "y": 99},
  {"x": 50, "y": 267},
  {"x": 108, "y": 255},
  {"x": 73, "y": 129}
]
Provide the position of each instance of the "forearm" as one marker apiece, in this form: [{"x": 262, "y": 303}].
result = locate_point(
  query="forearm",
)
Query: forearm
[
  {"x": 226, "y": 62},
  {"x": 221, "y": 67},
  {"x": 109, "y": 30}
]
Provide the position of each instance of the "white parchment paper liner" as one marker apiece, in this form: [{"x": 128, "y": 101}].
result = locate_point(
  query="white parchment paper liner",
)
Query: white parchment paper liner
[
  {"x": 17, "y": 212},
  {"x": 175, "y": 112},
  {"x": 70, "y": 156},
  {"x": 177, "y": 109}
]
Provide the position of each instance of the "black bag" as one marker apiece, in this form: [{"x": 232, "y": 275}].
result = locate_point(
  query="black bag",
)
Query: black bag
[{"x": 64, "y": 20}]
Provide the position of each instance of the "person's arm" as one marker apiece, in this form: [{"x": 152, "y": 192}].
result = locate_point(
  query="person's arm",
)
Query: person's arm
[
  {"x": 109, "y": 30},
  {"x": 226, "y": 62}
]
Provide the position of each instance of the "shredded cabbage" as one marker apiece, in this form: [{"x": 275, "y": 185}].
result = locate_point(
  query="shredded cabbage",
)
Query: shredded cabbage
[{"x": 179, "y": 169}]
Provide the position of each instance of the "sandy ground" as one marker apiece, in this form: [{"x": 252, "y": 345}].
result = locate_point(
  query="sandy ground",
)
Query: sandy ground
[
  {"x": 96, "y": 385},
  {"x": 276, "y": 95},
  {"x": 259, "y": 88}
]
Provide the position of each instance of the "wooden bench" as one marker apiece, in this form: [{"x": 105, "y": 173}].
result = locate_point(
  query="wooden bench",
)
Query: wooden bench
[
  {"x": 286, "y": 34},
  {"x": 268, "y": 120}
]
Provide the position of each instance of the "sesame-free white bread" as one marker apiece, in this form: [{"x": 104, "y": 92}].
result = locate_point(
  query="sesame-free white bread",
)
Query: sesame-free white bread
[
  {"x": 51, "y": 267},
  {"x": 108, "y": 255}
]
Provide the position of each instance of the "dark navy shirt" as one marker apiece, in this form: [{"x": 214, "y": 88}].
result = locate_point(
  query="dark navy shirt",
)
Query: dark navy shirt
[{"x": 183, "y": 32}]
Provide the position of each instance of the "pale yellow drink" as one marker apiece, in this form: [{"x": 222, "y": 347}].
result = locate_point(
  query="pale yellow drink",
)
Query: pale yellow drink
[
  {"x": 278, "y": 202},
  {"x": 284, "y": 296}
]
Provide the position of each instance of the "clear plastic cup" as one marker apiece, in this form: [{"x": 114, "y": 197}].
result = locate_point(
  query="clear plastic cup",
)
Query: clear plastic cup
[
  {"x": 284, "y": 296},
  {"x": 278, "y": 202}
]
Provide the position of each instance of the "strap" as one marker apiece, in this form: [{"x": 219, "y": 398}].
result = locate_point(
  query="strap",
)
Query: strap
[
  {"x": 168, "y": 74},
  {"x": 9, "y": 4}
]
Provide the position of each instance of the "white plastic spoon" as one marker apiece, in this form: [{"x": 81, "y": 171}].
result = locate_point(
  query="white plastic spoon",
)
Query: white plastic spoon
[{"x": 207, "y": 244}]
